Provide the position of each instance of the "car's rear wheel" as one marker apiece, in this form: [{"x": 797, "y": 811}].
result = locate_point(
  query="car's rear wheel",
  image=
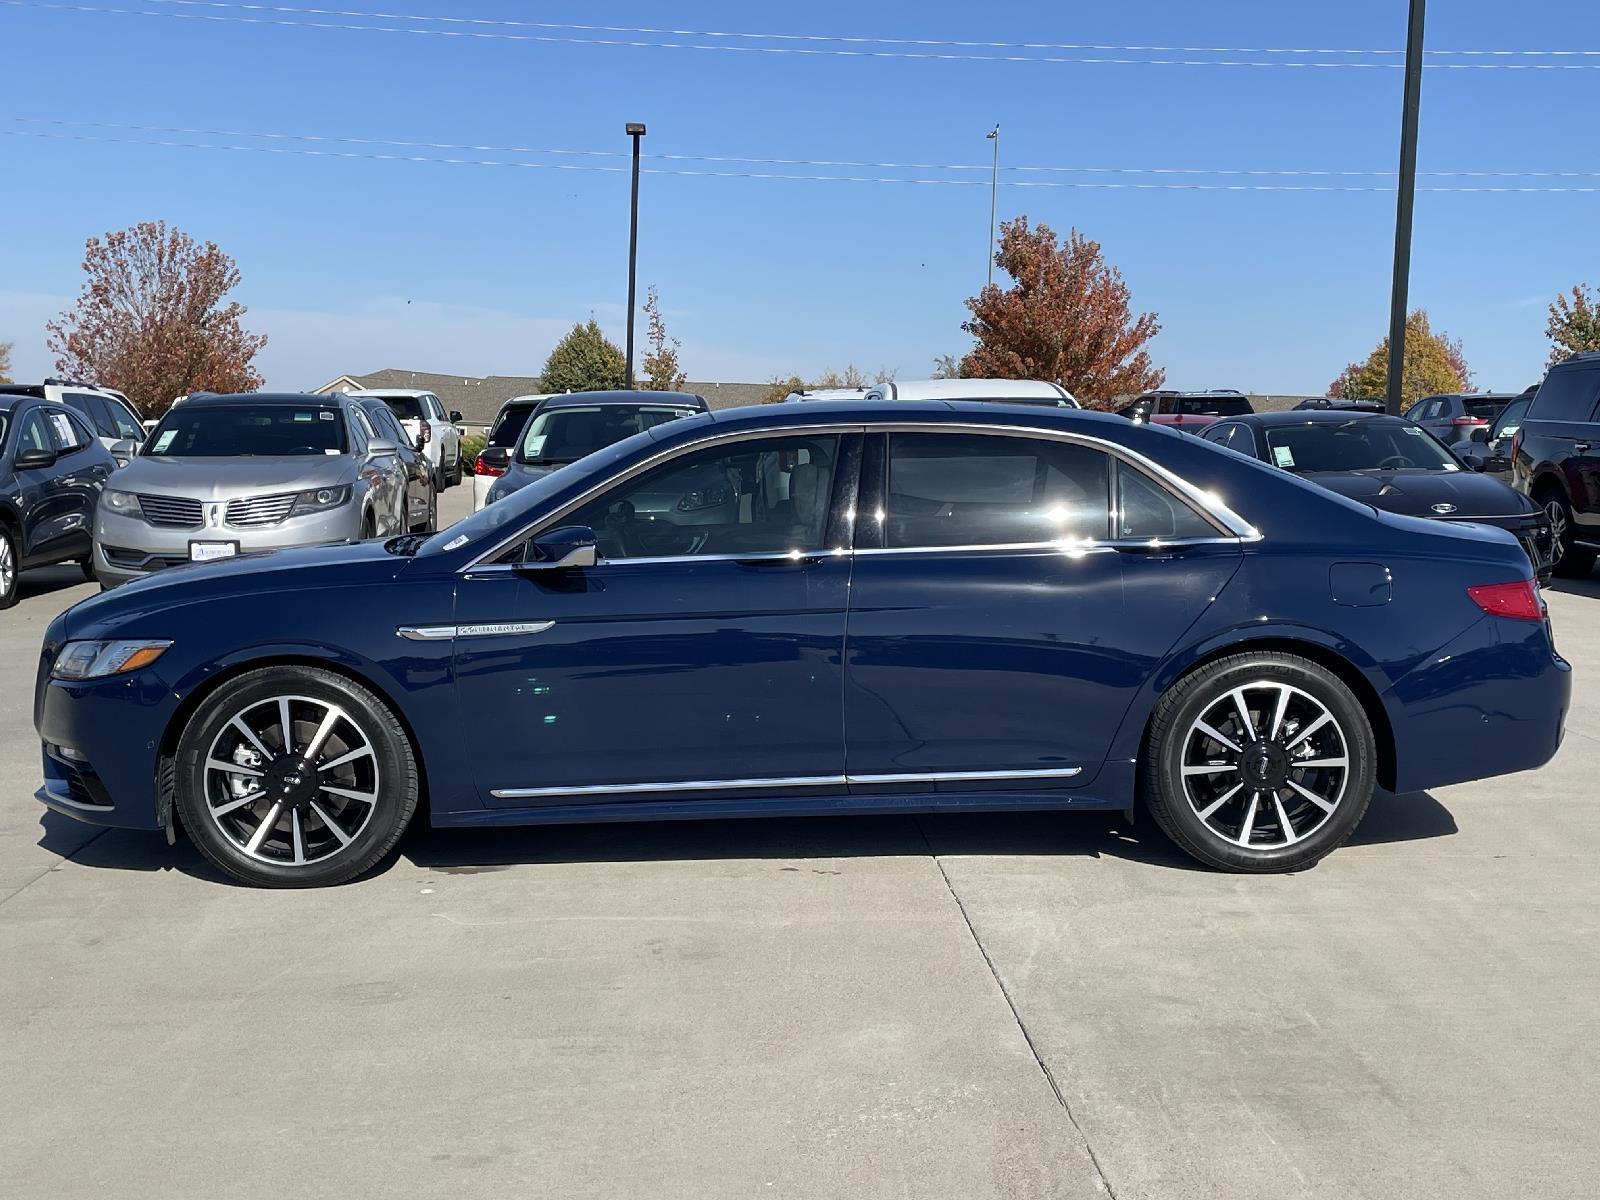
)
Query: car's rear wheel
[
  {"x": 1567, "y": 560},
  {"x": 86, "y": 565},
  {"x": 294, "y": 776},
  {"x": 9, "y": 566},
  {"x": 1259, "y": 762}
]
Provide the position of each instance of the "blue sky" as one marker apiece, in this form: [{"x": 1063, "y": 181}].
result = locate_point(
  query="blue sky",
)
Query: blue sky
[{"x": 352, "y": 264}]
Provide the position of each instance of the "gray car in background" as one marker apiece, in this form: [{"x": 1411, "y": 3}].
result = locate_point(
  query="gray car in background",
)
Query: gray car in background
[{"x": 228, "y": 475}]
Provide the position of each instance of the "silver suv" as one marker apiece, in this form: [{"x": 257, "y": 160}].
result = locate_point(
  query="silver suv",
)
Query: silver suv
[{"x": 226, "y": 475}]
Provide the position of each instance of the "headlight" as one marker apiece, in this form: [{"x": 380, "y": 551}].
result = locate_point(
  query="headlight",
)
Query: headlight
[
  {"x": 96, "y": 660},
  {"x": 123, "y": 503},
  {"x": 319, "y": 500},
  {"x": 710, "y": 497}
]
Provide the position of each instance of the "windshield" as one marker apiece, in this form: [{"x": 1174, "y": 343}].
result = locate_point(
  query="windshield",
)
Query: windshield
[
  {"x": 508, "y": 426},
  {"x": 248, "y": 430},
  {"x": 1359, "y": 445},
  {"x": 564, "y": 435}
]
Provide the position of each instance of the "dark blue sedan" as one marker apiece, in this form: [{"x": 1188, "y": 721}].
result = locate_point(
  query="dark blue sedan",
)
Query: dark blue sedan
[{"x": 903, "y": 608}]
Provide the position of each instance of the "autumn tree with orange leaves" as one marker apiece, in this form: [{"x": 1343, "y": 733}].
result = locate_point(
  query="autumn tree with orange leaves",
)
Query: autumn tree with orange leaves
[
  {"x": 151, "y": 321},
  {"x": 1066, "y": 318}
]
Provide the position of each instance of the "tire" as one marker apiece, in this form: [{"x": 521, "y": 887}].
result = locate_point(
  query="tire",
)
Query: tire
[
  {"x": 297, "y": 834},
  {"x": 369, "y": 527},
  {"x": 433, "y": 510},
  {"x": 10, "y": 568},
  {"x": 86, "y": 565},
  {"x": 1236, "y": 826},
  {"x": 1568, "y": 561}
]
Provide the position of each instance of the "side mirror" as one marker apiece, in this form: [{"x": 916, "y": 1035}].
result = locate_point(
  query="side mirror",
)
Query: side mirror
[
  {"x": 124, "y": 450},
  {"x": 378, "y": 447},
  {"x": 34, "y": 460},
  {"x": 571, "y": 547},
  {"x": 1480, "y": 434},
  {"x": 420, "y": 445},
  {"x": 496, "y": 458},
  {"x": 455, "y": 417}
]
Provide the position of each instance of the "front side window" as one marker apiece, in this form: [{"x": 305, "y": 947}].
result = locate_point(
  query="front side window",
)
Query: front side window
[
  {"x": 33, "y": 434},
  {"x": 1509, "y": 420},
  {"x": 977, "y": 490},
  {"x": 1147, "y": 511},
  {"x": 564, "y": 435},
  {"x": 508, "y": 426},
  {"x": 123, "y": 423},
  {"x": 67, "y": 431},
  {"x": 248, "y": 430},
  {"x": 762, "y": 496}
]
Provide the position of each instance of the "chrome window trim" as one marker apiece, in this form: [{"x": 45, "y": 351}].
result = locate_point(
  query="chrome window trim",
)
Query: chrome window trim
[
  {"x": 725, "y": 785},
  {"x": 1210, "y": 506}
]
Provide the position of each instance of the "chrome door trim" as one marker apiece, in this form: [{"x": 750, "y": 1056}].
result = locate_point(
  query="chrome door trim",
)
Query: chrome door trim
[
  {"x": 724, "y": 785},
  {"x": 966, "y": 776},
  {"x": 1231, "y": 526},
  {"x": 445, "y": 633},
  {"x": 695, "y": 785}
]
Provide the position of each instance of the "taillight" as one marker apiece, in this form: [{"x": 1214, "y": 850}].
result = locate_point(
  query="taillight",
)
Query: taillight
[
  {"x": 482, "y": 468},
  {"x": 1468, "y": 421},
  {"x": 1517, "y": 600}
]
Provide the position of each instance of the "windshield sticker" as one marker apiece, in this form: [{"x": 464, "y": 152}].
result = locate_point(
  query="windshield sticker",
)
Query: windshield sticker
[
  {"x": 301, "y": 417},
  {"x": 1411, "y": 430},
  {"x": 326, "y": 416},
  {"x": 456, "y": 543},
  {"x": 335, "y": 453},
  {"x": 165, "y": 440},
  {"x": 1283, "y": 456}
]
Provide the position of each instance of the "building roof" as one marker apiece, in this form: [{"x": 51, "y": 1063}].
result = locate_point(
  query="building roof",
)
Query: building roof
[{"x": 478, "y": 400}]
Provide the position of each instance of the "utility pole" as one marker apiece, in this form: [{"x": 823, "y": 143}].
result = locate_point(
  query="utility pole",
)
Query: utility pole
[
  {"x": 635, "y": 130},
  {"x": 1406, "y": 202},
  {"x": 994, "y": 195}
]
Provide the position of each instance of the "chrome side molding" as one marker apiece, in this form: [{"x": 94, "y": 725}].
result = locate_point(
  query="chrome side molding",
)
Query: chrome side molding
[
  {"x": 445, "y": 633},
  {"x": 801, "y": 781}
]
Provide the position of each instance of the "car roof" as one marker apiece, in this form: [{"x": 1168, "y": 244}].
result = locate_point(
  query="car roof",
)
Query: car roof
[
  {"x": 891, "y": 412},
  {"x": 388, "y": 393},
  {"x": 970, "y": 389},
  {"x": 1309, "y": 416},
  {"x": 223, "y": 400},
  {"x": 590, "y": 399}
]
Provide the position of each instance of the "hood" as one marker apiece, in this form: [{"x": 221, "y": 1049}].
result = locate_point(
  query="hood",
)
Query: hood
[
  {"x": 300, "y": 570},
  {"x": 1415, "y": 493},
  {"x": 225, "y": 478}
]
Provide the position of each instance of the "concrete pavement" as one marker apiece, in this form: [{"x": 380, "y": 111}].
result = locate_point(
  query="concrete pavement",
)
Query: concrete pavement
[{"x": 962, "y": 1006}]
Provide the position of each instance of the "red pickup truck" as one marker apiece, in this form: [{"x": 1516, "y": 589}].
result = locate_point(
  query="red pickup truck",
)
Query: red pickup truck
[{"x": 1187, "y": 410}]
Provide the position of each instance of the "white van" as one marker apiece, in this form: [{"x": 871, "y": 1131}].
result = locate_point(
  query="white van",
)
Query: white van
[{"x": 998, "y": 391}]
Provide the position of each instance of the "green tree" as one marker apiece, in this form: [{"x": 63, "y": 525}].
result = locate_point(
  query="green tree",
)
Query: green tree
[
  {"x": 661, "y": 358},
  {"x": 778, "y": 388},
  {"x": 585, "y": 361},
  {"x": 5, "y": 361},
  {"x": 1433, "y": 364},
  {"x": 1574, "y": 324}
]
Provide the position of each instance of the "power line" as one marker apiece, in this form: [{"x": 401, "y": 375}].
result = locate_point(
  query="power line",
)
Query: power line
[
  {"x": 832, "y": 51},
  {"x": 771, "y": 175},
  {"x": 856, "y": 164},
  {"x": 503, "y": 22}
]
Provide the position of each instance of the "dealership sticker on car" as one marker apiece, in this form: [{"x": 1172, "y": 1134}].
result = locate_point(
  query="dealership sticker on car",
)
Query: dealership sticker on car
[
  {"x": 211, "y": 551},
  {"x": 1283, "y": 456}
]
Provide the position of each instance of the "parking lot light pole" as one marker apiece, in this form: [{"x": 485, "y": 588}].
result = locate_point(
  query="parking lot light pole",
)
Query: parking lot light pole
[
  {"x": 1404, "y": 205},
  {"x": 994, "y": 195},
  {"x": 635, "y": 130}
]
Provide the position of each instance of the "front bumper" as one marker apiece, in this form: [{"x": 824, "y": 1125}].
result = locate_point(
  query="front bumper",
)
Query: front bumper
[
  {"x": 128, "y": 548},
  {"x": 101, "y": 747}
]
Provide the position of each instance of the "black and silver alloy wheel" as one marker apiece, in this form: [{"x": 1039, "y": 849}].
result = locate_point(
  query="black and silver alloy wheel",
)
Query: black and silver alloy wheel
[
  {"x": 1566, "y": 559},
  {"x": 291, "y": 779},
  {"x": 8, "y": 568},
  {"x": 1259, "y": 762},
  {"x": 295, "y": 777},
  {"x": 1265, "y": 765}
]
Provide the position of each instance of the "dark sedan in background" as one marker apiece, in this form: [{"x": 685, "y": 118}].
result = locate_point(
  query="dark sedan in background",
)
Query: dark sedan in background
[
  {"x": 52, "y": 469},
  {"x": 565, "y": 428},
  {"x": 960, "y": 606},
  {"x": 1391, "y": 464}
]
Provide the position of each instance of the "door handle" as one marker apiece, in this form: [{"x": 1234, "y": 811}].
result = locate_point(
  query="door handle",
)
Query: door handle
[{"x": 1581, "y": 447}]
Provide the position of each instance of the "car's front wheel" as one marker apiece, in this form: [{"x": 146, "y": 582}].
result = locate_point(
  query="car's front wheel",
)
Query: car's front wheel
[
  {"x": 9, "y": 565},
  {"x": 1566, "y": 559},
  {"x": 1259, "y": 762},
  {"x": 291, "y": 776}
]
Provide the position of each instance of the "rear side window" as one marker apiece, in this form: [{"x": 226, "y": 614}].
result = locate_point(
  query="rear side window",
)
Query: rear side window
[
  {"x": 1214, "y": 406},
  {"x": 1146, "y": 510},
  {"x": 976, "y": 490},
  {"x": 1566, "y": 396},
  {"x": 67, "y": 431}
]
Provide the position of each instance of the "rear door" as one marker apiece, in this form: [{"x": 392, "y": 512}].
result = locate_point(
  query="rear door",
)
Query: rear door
[{"x": 1011, "y": 593}]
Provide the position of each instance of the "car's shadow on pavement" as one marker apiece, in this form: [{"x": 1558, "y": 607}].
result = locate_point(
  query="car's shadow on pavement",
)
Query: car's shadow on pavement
[
  {"x": 42, "y": 581},
  {"x": 1412, "y": 817},
  {"x": 1589, "y": 586}
]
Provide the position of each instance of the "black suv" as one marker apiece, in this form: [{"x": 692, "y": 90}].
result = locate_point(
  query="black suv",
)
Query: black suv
[{"x": 1555, "y": 459}]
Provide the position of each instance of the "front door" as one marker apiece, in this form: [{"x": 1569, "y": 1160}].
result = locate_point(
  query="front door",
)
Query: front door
[
  {"x": 703, "y": 654},
  {"x": 1011, "y": 595}
]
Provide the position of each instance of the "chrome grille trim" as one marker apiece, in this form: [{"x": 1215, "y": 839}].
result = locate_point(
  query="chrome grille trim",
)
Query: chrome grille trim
[
  {"x": 260, "y": 510},
  {"x": 179, "y": 511}
]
